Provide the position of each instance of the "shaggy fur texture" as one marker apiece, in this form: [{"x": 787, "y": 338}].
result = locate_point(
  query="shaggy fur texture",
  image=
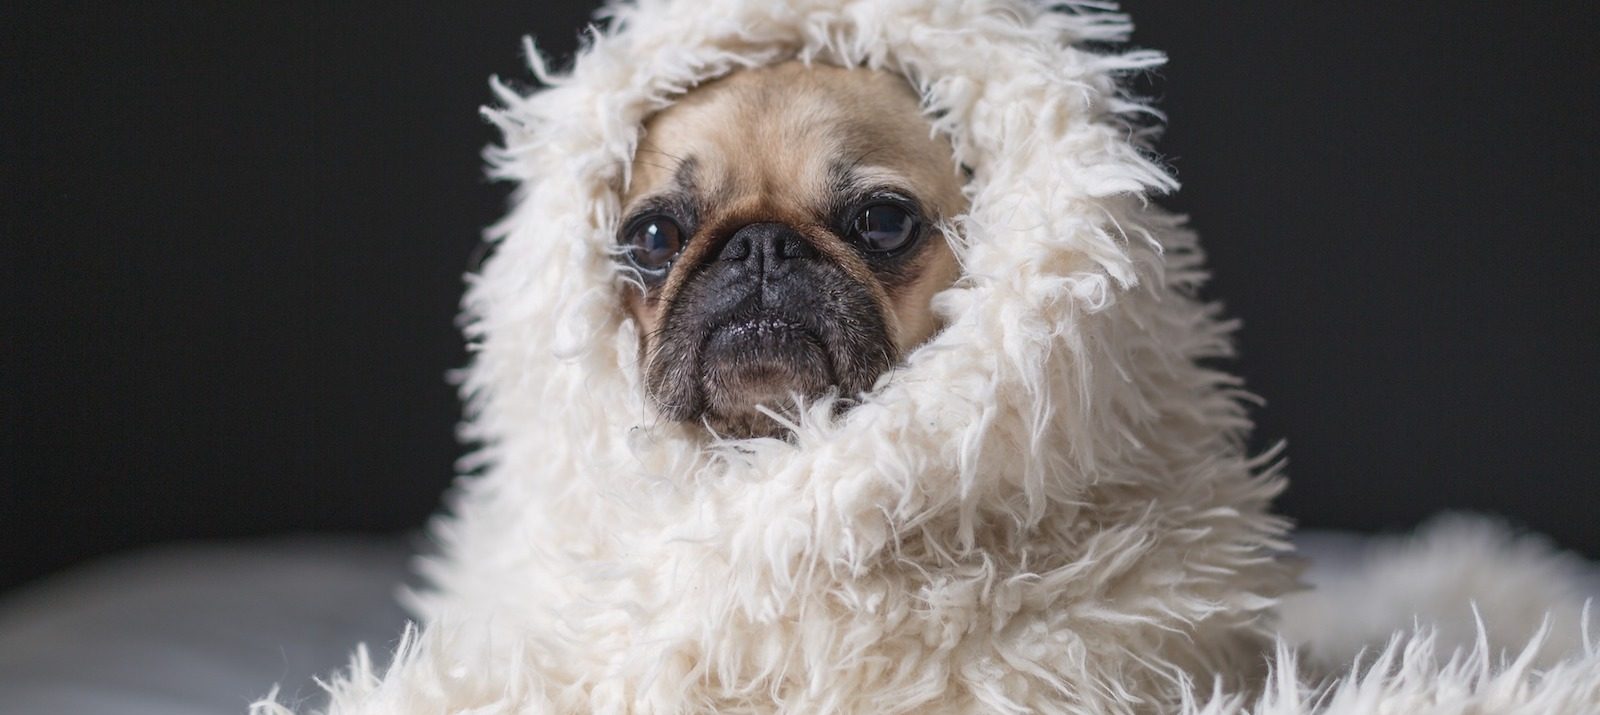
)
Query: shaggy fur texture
[{"x": 1046, "y": 509}]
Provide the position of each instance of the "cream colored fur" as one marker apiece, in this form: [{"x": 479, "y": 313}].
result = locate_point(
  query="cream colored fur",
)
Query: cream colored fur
[{"x": 1046, "y": 509}]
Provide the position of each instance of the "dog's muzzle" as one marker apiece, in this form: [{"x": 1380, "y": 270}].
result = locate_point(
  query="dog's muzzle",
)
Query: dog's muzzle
[{"x": 764, "y": 346}]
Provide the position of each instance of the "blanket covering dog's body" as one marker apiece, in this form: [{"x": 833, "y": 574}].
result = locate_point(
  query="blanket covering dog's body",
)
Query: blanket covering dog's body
[{"x": 1047, "y": 509}]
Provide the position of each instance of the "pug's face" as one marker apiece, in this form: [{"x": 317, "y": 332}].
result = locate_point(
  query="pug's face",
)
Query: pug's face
[{"x": 782, "y": 225}]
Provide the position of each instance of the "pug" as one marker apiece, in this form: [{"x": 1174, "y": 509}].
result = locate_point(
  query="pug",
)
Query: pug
[{"x": 782, "y": 235}]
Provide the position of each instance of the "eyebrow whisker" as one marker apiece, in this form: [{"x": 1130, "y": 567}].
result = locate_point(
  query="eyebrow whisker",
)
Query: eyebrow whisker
[
  {"x": 646, "y": 148},
  {"x": 653, "y": 165}
]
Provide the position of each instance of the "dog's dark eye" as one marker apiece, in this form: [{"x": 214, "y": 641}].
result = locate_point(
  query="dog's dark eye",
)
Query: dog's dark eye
[
  {"x": 884, "y": 227},
  {"x": 653, "y": 243}
]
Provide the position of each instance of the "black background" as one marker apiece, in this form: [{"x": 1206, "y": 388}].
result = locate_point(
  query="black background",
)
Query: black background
[{"x": 235, "y": 234}]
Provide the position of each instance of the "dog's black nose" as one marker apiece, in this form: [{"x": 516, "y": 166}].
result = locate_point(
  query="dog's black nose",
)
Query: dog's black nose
[{"x": 765, "y": 246}]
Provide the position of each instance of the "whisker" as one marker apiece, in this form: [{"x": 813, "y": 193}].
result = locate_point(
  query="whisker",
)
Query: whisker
[{"x": 653, "y": 150}]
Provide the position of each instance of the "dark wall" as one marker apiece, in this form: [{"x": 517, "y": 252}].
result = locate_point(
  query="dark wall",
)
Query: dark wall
[
  {"x": 1400, "y": 200},
  {"x": 234, "y": 236}
]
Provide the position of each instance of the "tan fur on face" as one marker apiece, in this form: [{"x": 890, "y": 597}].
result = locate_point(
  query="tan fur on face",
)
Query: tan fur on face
[{"x": 765, "y": 144}]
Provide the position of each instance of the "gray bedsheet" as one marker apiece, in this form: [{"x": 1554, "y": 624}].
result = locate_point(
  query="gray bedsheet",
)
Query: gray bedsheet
[
  {"x": 197, "y": 629},
  {"x": 205, "y": 629}
]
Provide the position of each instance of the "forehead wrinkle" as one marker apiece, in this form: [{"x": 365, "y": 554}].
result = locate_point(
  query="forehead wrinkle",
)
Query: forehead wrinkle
[
  {"x": 684, "y": 177},
  {"x": 866, "y": 178}
]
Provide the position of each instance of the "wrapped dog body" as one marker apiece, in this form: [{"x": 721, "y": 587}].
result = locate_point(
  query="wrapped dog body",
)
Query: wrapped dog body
[{"x": 1046, "y": 508}]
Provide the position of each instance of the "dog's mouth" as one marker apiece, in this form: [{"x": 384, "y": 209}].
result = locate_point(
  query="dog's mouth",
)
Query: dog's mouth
[
  {"x": 764, "y": 358},
  {"x": 739, "y": 342}
]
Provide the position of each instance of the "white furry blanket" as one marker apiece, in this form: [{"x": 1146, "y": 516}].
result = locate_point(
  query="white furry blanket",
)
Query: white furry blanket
[{"x": 1047, "y": 509}]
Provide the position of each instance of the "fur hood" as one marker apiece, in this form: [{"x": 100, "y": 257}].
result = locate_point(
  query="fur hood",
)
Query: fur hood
[{"x": 1047, "y": 508}]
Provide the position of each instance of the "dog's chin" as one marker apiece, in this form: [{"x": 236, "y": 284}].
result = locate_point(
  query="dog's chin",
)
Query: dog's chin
[{"x": 752, "y": 366}]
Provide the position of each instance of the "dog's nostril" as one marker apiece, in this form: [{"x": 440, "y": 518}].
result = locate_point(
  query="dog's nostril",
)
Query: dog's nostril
[
  {"x": 795, "y": 247},
  {"x": 767, "y": 242},
  {"x": 737, "y": 249}
]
